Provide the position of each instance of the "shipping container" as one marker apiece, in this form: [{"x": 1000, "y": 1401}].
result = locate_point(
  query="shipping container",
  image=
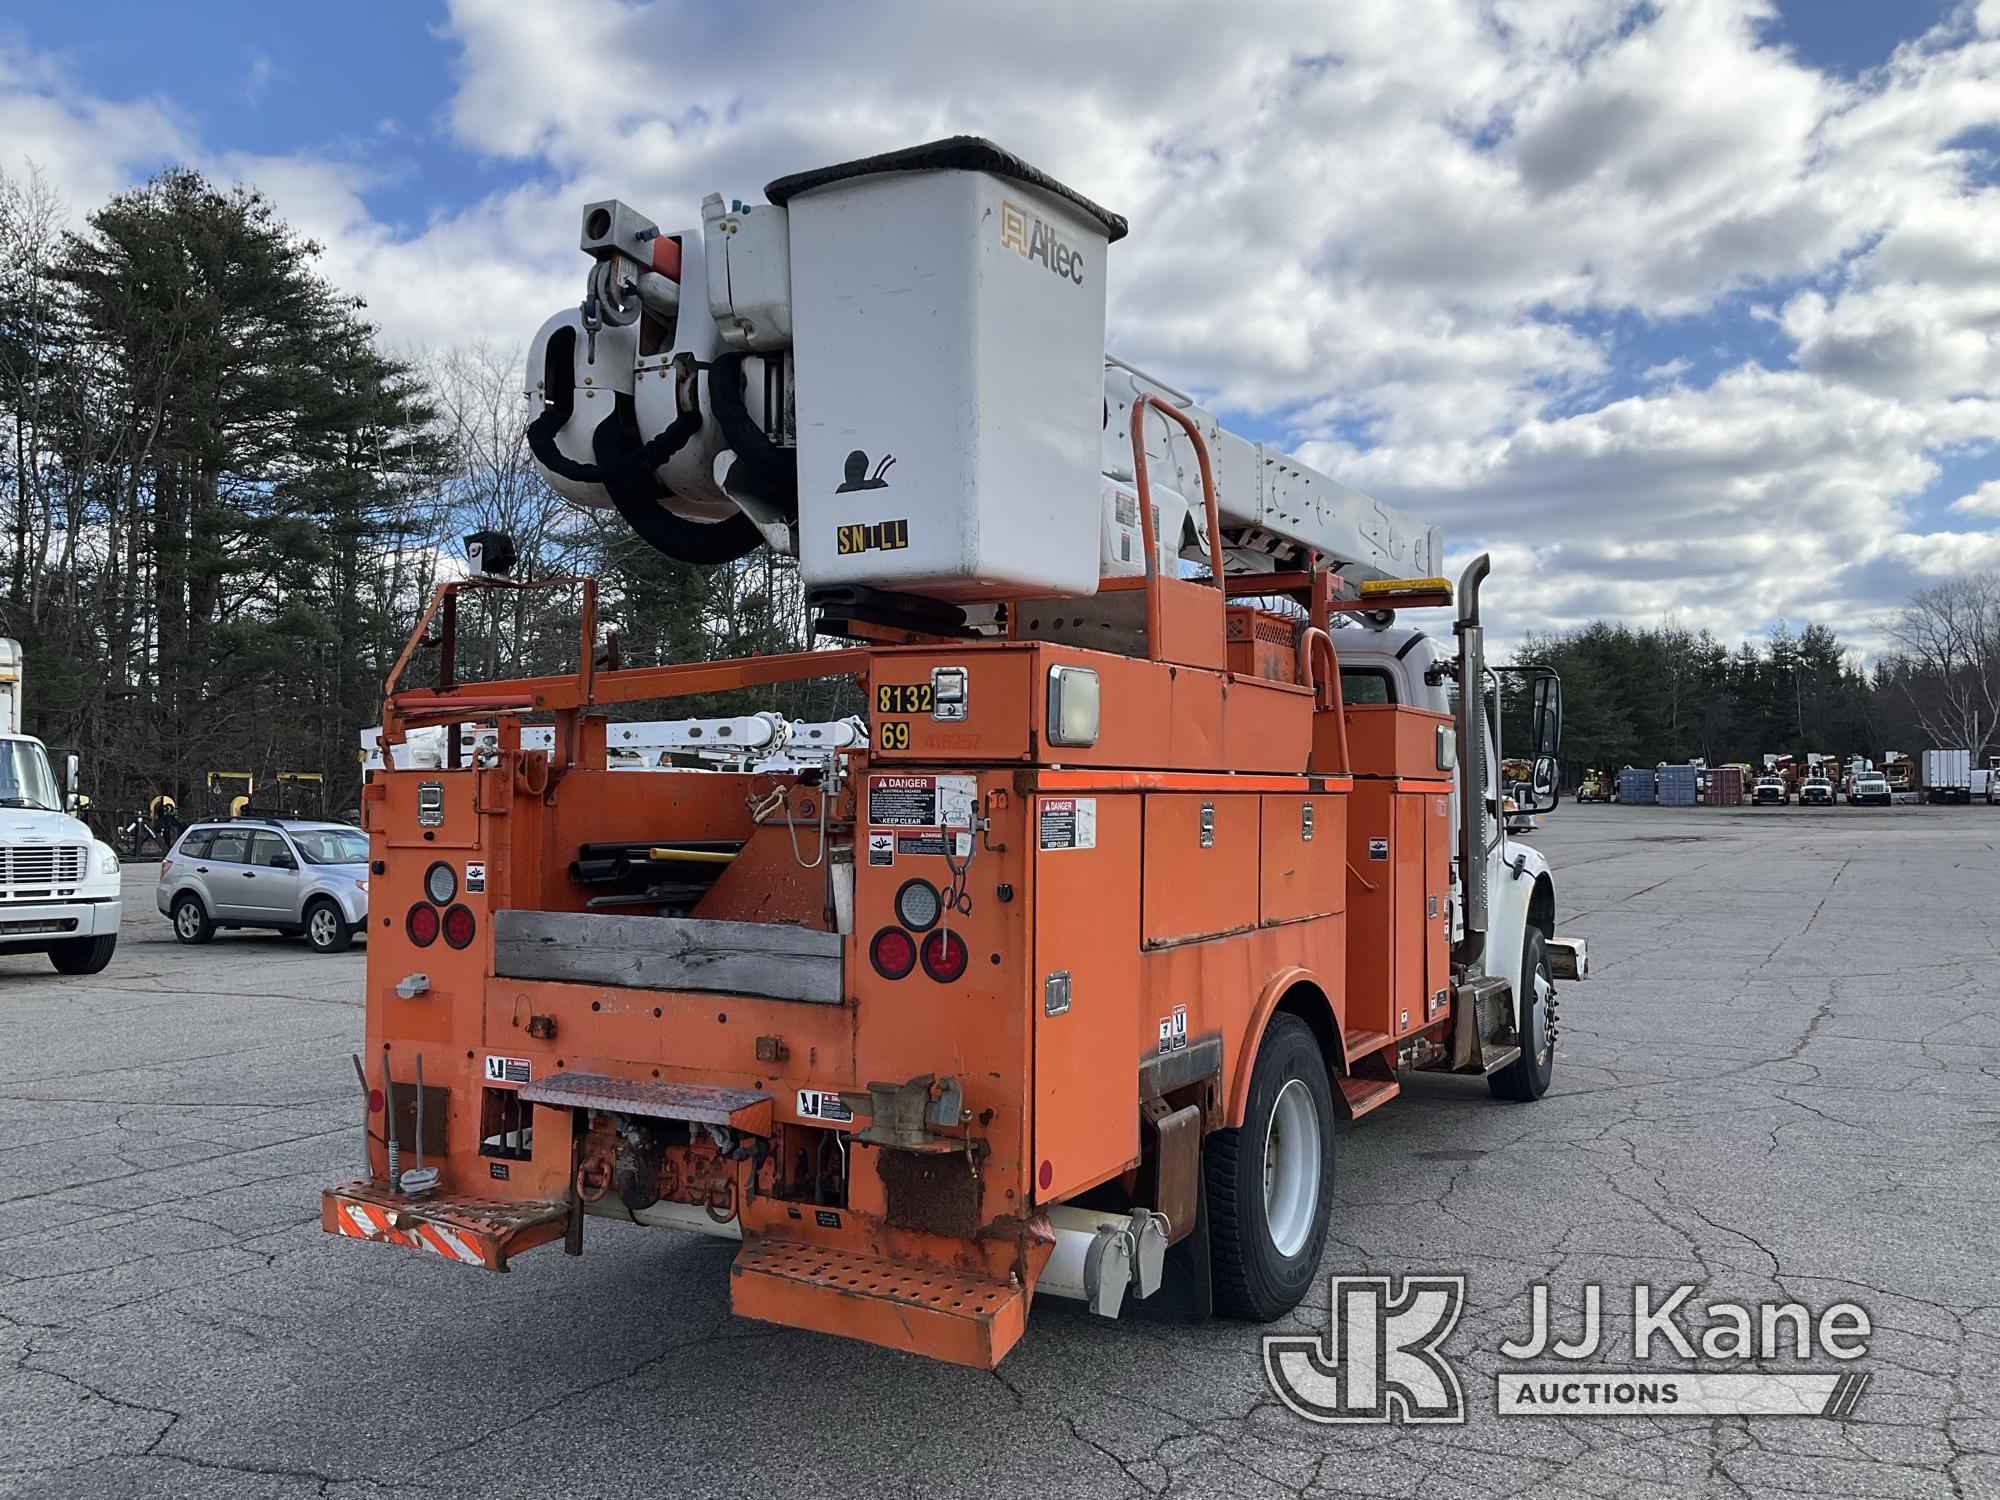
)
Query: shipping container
[
  {"x": 1679, "y": 786},
  {"x": 1725, "y": 787},
  {"x": 1635, "y": 788}
]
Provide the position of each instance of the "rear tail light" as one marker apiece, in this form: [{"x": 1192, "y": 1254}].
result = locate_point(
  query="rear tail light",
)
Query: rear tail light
[
  {"x": 422, "y": 924},
  {"x": 945, "y": 956},
  {"x": 459, "y": 926},
  {"x": 893, "y": 952}
]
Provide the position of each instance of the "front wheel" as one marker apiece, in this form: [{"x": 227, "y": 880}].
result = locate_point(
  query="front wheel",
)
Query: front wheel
[
  {"x": 1527, "y": 1077},
  {"x": 1270, "y": 1181},
  {"x": 326, "y": 929},
  {"x": 83, "y": 955}
]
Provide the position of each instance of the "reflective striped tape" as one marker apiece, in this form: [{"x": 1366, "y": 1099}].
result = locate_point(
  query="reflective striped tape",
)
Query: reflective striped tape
[{"x": 368, "y": 1222}]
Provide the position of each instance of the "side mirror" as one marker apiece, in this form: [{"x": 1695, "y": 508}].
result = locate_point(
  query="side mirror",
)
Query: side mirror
[
  {"x": 1548, "y": 715},
  {"x": 72, "y": 771},
  {"x": 283, "y": 861},
  {"x": 1545, "y": 790}
]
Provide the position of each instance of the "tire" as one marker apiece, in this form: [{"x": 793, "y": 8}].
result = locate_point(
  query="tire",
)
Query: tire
[
  {"x": 192, "y": 923},
  {"x": 326, "y": 929},
  {"x": 83, "y": 955},
  {"x": 1526, "y": 1079},
  {"x": 1263, "y": 1170}
]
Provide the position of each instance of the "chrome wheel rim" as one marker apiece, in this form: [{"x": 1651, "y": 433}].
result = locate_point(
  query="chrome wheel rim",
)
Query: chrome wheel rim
[
  {"x": 1292, "y": 1155},
  {"x": 321, "y": 926},
  {"x": 1544, "y": 1042}
]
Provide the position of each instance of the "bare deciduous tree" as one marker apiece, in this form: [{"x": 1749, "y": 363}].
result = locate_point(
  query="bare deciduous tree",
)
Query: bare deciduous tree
[{"x": 1948, "y": 638}]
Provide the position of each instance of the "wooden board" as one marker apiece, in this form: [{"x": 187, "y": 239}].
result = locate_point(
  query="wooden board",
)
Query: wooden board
[{"x": 669, "y": 953}]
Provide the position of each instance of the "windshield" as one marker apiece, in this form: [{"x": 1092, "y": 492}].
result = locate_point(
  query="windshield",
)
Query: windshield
[
  {"x": 332, "y": 846},
  {"x": 25, "y": 778}
]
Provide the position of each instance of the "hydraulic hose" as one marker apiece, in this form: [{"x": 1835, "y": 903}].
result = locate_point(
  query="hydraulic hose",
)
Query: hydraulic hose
[
  {"x": 624, "y": 467},
  {"x": 773, "y": 471}
]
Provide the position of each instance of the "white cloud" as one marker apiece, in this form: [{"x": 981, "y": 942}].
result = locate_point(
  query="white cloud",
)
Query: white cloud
[
  {"x": 1408, "y": 219},
  {"x": 1984, "y": 501}
]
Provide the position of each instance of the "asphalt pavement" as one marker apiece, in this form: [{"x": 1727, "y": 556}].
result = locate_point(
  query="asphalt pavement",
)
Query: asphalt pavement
[{"x": 1782, "y": 1082}]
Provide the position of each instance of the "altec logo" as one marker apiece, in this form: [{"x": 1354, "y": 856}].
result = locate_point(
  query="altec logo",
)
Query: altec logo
[{"x": 1029, "y": 236}]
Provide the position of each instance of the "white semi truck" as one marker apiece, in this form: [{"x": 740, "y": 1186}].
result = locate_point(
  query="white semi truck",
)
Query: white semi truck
[{"x": 59, "y": 886}]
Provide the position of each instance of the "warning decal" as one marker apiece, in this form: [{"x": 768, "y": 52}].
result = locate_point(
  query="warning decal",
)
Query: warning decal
[
  {"x": 1066, "y": 823},
  {"x": 881, "y": 848},
  {"x": 1378, "y": 848},
  {"x": 1173, "y": 1031},
  {"x": 920, "y": 843},
  {"x": 921, "y": 801},
  {"x": 822, "y": 1104},
  {"x": 509, "y": 1070},
  {"x": 475, "y": 875}
]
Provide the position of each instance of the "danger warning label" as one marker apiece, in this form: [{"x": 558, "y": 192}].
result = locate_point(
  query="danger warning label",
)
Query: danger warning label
[
  {"x": 1066, "y": 823},
  {"x": 921, "y": 801},
  {"x": 822, "y": 1104}
]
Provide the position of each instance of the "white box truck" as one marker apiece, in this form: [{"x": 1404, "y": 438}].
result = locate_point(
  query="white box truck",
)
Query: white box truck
[
  {"x": 1947, "y": 776},
  {"x": 59, "y": 887}
]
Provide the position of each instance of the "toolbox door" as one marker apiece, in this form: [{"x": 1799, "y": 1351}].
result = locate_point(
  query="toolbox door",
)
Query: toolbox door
[{"x": 1084, "y": 992}]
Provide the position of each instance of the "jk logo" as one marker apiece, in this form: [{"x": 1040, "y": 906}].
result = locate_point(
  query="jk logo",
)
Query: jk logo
[{"x": 1379, "y": 1361}]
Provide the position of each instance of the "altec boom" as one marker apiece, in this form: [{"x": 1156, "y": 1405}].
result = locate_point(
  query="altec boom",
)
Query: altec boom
[{"x": 1138, "y": 891}]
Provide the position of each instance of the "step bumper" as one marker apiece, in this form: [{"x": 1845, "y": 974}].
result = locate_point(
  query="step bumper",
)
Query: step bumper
[
  {"x": 919, "y": 1309},
  {"x": 471, "y": 1231}
]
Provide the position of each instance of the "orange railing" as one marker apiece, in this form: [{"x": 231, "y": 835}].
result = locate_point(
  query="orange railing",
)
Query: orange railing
[{"x": 1141, "y": 483}]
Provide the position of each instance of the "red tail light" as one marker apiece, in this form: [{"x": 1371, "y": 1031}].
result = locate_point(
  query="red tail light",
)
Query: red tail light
[
  {"x": 893, "y": 952},
  {"x": 945, "y": 956},
  {"x": 422, "y": 924},
  {"x": 459, "y": 926}
]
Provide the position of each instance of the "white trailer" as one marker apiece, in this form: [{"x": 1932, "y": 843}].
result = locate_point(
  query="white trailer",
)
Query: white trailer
[{"x": 1947, "y": 776}]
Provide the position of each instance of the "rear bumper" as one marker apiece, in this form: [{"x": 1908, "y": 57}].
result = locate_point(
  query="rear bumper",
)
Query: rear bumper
[
  {"x": 36, "y": 924},
  {"x": 471, "y": 1231}
]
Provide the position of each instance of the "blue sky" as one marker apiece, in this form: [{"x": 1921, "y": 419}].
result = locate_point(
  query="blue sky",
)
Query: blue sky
[{"x": 1682, "y": 307}]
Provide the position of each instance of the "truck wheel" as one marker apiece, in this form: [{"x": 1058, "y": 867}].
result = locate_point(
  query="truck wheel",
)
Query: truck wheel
[
  {"x": 83, "y": 955},
  {"x": 192, "y": 923},
  {"x": 326, "y": 929},
  {"x": 1270, "y": 1182},
  {"x": 1527, "y": 1077}
]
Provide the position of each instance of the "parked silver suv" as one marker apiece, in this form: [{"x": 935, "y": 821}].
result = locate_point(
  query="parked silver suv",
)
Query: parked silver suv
[{"x": 297, "y": 877}]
